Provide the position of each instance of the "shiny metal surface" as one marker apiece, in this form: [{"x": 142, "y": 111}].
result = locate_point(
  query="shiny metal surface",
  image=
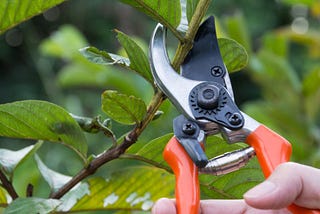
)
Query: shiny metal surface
[
  {"x": 228, "y": 84},
  {"x": 228, "y": 162},
  {"x": 235, "y": 136},
  {"x": 176, "y": 87}
]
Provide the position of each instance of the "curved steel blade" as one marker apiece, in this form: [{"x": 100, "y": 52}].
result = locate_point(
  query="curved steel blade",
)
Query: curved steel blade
[{"x": 176, "y": 87}]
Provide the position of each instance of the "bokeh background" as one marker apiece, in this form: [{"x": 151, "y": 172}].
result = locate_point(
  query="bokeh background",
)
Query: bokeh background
[{"x": 39, "y": 59}]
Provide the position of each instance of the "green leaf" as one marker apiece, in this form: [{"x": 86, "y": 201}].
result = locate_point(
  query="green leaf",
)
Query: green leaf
[
  {"x": 87, "y": 74},
  {"x": 167, "y": 12},
  {"x": 100, "y": 57},
  {"x": 138, "y": 60},
  {"x": 310, "y": 39},
  {"x": 122, "y": 108},
  {"x": 191, "y": 7},
  {"x": 9, "y": 160},
  {"x": 94, "y": 125},
  {"x": 32, "y": 119},
  {"x": 275, "y": 74},
  {"x": 150, "y": 152},
  {"x": 311, "y": 82},
  {"x": 285, "y": 121},
  {"x": 237, "y": 30},
  {"x": 55, "y": 179},
  {"x": 295, "y": 2},
  {"x": 77, "y": 74},
  {"x": 4, "y": 197},
  {"x": 232, "y": 185},
  {"x": 73, "y": 196},
  {"x": 64, "y": 43},
  {"x": 15, "y": 12},
  {"x": 277, "y": 44},
  {"x": 31, "y": 206},
  {"x": 131, "y": 188},
  {"x": 311, "y": 91},
  {"x": 234, "y": 55}
]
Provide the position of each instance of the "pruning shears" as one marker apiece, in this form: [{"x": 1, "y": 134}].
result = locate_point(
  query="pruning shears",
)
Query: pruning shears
[{"x": 202, "y": 92}]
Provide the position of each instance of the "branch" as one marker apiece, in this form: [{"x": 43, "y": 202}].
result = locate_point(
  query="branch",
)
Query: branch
[
  {"x": 116, "y": 151},
  {"x": 8, "y": 185},
  {"x": 154, "y": 105},
  {"x": 186, "y": 45},
  {"x": 29, "y": 191}
]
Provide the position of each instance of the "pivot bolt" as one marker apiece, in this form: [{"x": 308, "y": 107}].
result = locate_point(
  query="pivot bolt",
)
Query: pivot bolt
[
  {"x": 208, "y": 97},
  {"x": 235, "y": 119},
  {"x": 188, "y": 128}
]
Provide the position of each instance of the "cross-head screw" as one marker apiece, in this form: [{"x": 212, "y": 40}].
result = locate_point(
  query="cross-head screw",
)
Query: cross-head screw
[
  {"x": 188, "y": 128},
  {"x": 216, "y": 71},
  {"x": 235, "y": 119}
]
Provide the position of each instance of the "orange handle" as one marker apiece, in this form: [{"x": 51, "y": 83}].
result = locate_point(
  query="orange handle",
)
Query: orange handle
[
  {"x": 187, "y": 182},
  {"x": 271, "y": 150}
]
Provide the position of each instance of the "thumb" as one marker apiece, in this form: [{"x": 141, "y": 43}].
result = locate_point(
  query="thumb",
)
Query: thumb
[
  {"x": 164, "y": 206},
  {"x": 289, "y": 183}
]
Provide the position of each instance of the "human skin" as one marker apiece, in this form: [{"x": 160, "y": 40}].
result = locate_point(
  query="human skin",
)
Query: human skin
[{"x": 290, "y": 183}]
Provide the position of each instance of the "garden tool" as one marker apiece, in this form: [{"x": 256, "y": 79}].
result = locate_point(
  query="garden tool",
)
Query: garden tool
[{"x": 202, "y": 92}]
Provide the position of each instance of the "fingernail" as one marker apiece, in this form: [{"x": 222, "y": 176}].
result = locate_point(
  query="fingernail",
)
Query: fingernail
[{"x": 261, "y": 190}]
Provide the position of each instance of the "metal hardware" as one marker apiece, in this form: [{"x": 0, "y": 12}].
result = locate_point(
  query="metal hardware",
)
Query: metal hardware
[
  {"x": 190, "y": 136},
  {"x": 228, "y": 162}
]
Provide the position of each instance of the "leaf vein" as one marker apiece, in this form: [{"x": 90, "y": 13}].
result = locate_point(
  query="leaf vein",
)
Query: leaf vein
[{"x": 22, "y": 122}]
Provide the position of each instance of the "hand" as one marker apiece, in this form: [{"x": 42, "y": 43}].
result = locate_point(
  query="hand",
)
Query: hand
[{"x": 289, "y": 183}]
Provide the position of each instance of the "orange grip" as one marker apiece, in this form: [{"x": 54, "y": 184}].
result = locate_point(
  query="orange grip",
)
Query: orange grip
[
  {"x": 271, "y": 150},
  {"x": 187, "y": 182}
]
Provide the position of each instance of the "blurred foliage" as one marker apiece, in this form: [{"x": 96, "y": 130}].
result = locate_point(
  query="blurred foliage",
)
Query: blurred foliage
[
  {"x": 40, "y": 59},
  {"x": 19, "y": 11}
]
